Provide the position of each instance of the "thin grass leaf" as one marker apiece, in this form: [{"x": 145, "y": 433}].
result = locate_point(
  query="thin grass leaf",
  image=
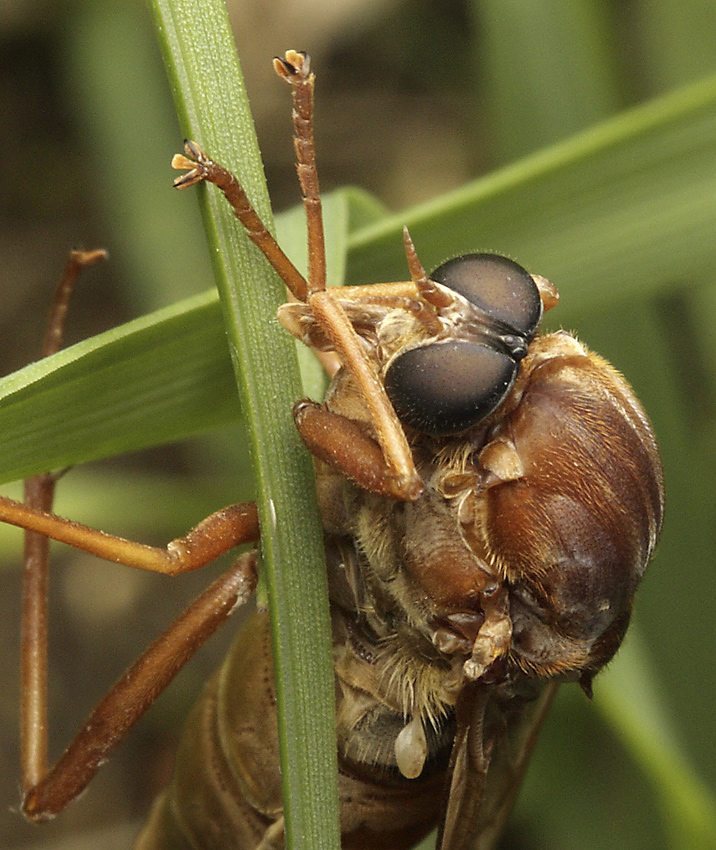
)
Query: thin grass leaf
[
  {"x": 117, "y": 391},
  {"x": 624, "y": 208},
  {"x": 629, "y": 698},
  {"x": 201, "y": 61},
  {"x": 155, "y": 380},
  {"x": 548, "y": 70}
]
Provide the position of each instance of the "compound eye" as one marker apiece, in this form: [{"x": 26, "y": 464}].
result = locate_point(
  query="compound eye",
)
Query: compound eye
[
  {"x": 446, "y": 387},
  {"x": 498, "y": 286}
]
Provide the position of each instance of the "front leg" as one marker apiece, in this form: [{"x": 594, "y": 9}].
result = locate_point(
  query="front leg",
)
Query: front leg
[
  {"x": 327, "y": 311},
  {"x": 346, "y": 447}
]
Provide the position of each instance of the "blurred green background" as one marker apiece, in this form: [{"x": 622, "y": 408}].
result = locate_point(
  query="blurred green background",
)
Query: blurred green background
[{"x": 83, "y": 97}]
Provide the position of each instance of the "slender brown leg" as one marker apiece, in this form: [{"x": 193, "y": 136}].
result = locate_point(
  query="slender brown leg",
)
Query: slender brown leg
[
  {"x": 213, "y": 536},
  {"x": 137, "y": 690},
  {"x": 76, "y": 261},
  {"x": 39, "y": 494},
  {"x": 296, "y": 70},
  {"x": 201, "y": 167},
  {"x": 342, "y": 444},
  {"x": 398, "y": 458}
]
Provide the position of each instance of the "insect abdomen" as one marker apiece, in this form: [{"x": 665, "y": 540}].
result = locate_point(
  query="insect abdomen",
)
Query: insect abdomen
[{"x": 226, "y": 787}]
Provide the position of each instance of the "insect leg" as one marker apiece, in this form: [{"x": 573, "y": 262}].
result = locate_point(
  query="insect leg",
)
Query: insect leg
[
  {"x": 39, "y": 494},
  {"x": 202, "y": 167},
  {"x": 341, "y": 443},
  {"x": 140, "y": 686},
  {"x": 397, "y": 456},
  {"x": 213, "y": 536},
  {"x": 137, "y": 690},
  {"x": 295, "y": 68},
  {"x": 405, "y": 483},
  {"x": 400, "y": 472}
]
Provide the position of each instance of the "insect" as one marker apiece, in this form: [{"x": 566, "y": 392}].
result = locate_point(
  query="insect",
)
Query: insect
[{"x": 490, "y": 500}]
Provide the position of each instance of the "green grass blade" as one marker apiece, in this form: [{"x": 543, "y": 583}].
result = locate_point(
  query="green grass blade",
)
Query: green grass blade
[
  {"x": 547, "y": 71},
  {"x": 201, "y": 61},
  {"x": 155, "y": 380},
  {"x": 625, "y": 207},
  {"x": 118, "y": 391}
]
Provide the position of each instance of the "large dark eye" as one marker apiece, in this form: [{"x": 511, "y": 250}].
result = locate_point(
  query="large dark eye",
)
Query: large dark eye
[
  {"x": 447, "y": 387},
  {"x": 497, "y": 286}
]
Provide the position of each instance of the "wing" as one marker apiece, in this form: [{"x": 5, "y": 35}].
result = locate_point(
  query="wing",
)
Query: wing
[{"x": 494, "y": 740}]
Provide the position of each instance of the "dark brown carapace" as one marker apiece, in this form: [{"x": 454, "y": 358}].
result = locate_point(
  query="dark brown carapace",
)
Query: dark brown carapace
[{"x": 490, "y": 500}]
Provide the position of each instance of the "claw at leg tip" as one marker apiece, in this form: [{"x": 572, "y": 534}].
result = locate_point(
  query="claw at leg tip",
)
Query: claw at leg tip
[
  {"x": 293, "y": 66},
  {"x": 179, "y": 161}
]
